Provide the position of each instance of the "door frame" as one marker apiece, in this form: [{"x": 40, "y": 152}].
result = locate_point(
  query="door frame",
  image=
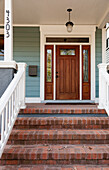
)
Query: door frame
[{"x": 60, "y": 31}]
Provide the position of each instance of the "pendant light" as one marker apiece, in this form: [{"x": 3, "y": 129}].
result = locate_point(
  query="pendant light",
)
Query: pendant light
[{"x": 69, "y": 24}]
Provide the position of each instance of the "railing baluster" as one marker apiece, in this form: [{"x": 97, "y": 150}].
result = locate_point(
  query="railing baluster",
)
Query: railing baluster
[
  {"x": 9, "y": 113},
  {"x": 6, "y": 119},
  {"x": 12, "y": 105},
  {"x": 2, "y": 128}
]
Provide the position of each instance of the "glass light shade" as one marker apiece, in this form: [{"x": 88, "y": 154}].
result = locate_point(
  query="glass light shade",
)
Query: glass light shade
[{"x": 69, "y": 28}]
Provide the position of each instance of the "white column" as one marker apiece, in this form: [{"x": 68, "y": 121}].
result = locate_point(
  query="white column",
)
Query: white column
[
  {"x": 107, "y": 28},
  {"x": 22, "y": 66},
  {"x": 103, "y": 45},
  {"x": 8, "y": 31},
  {"x": 102, "y": 90}
]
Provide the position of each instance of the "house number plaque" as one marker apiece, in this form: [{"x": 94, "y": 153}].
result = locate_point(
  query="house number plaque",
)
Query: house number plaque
[{"x": 7, "y": 24}]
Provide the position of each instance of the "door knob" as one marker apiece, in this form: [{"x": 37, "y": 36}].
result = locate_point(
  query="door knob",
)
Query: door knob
[{"x": 57, "y": 76}]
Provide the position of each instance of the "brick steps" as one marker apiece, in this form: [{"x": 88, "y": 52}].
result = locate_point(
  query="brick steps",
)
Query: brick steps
[
  {"x": 56, "y": 154},
  {"x": 62, "y": 123},
  {"x": 57, "y": 110},
  {"x": 54, "y": 143},
  {"x": 48, "y": 167},
  {"x": 28, "y": 137}
]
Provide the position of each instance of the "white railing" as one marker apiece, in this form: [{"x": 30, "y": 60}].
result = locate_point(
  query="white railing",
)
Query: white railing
[
  {"x": 103, "y": 87},
  {"x": 11, "y": 102}
]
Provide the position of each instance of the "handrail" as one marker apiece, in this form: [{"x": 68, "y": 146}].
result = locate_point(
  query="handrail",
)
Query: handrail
[
  {"x": 103, "y": 87},
  {"x": 11, "y": 102}
]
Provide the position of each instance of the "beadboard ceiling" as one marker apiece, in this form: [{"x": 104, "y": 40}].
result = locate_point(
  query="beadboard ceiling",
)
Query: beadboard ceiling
[{"x": 85, "y": 12}]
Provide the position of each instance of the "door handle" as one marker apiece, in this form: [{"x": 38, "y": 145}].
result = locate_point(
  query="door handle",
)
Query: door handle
[{"x": 57, "y": 76}]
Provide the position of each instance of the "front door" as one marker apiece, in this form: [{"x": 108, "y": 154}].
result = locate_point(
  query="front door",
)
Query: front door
[{"x": 67, "y": 72}]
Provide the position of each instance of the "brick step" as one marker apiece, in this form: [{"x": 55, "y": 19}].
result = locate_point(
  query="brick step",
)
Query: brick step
[
  {"x": 56, "y": 154},
  {"x": 33, "y": 110},
  {"x": 62, "y": 122},
  {"x": 55, "y": 167},
  {"x": 29, "y": 137}
]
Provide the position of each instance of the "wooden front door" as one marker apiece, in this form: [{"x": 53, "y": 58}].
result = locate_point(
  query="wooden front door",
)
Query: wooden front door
[{"x": 67, "y": 72}]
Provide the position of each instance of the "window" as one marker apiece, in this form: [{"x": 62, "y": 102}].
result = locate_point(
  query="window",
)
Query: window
[
  {"x": 67, "y": 40},
  {"x": 49, "y": 65},
  {"x": 67, "y": 51}
]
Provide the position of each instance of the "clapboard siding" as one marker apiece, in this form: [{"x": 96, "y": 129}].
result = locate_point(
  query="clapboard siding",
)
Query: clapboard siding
[
  {"x": 98, "y": 56},
  {"x": 27, "y": 49}
]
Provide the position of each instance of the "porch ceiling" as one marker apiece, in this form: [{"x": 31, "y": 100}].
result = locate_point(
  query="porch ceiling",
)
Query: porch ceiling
[{"x": 93, "y": 12}]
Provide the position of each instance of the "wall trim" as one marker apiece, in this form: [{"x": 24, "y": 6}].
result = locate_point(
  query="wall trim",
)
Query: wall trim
[
  {"x": 32, "y": 100},
  {"x": 96, "y": 100}
]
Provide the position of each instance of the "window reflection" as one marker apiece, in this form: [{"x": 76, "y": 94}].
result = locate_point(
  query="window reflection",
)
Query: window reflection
[
  {"x": 85, "y": 65},
  {"x": 49, "y": 65},
  {"x": 67, "y": 51}
]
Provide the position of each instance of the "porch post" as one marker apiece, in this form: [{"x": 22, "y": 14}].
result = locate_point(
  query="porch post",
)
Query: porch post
[
  {"x": 107, "y": 27},
  {"x": 8, "y": 31},
  {"x": 107, "y": 43}
]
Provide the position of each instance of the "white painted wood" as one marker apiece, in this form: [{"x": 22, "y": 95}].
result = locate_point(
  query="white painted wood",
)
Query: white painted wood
[
  {"x": 6, "y": 64},
  {"x": 11, "y": 102},
  {"x": 8, "y": 31},
  {"x": 107, "y": 30},
  {"x": 93, "y": 66},
  {"x": 104, "y": 45},
  {"x": 54, "y": 72},
  {"x": 80, "y": 72},
  {"x": 103, "y": 87},
  {"x": 21, "y": 91},
  {"x": 32, "y": 100},
  {"x": 42, "y": 66}
]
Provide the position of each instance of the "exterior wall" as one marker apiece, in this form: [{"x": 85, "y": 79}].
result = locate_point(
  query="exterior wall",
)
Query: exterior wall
[
  {"x": 98, "y": 57},
  {"x": 27, "y": 49}
]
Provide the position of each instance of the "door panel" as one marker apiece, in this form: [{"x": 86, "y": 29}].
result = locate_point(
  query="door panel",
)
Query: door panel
[{"x": 67, "y": 81}]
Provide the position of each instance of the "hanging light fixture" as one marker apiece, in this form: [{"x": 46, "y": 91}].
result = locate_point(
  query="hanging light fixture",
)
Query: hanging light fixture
[{"x": 69, "y": 24}]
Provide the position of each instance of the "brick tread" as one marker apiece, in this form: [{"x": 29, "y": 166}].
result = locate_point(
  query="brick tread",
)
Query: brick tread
[
  {"x": 34, "y": 110},
  {"x": 62, "y": 122},
  {"x": 56, "y": 152},
  {"x": 59, "y": 136},
  {"x": 48, "y": 167}
]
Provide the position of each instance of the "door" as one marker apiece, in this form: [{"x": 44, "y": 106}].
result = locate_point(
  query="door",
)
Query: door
[{"x": 67, "y": 72}]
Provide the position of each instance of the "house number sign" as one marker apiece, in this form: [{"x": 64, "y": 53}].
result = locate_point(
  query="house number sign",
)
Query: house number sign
[{"x": 7, "y": 24}]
